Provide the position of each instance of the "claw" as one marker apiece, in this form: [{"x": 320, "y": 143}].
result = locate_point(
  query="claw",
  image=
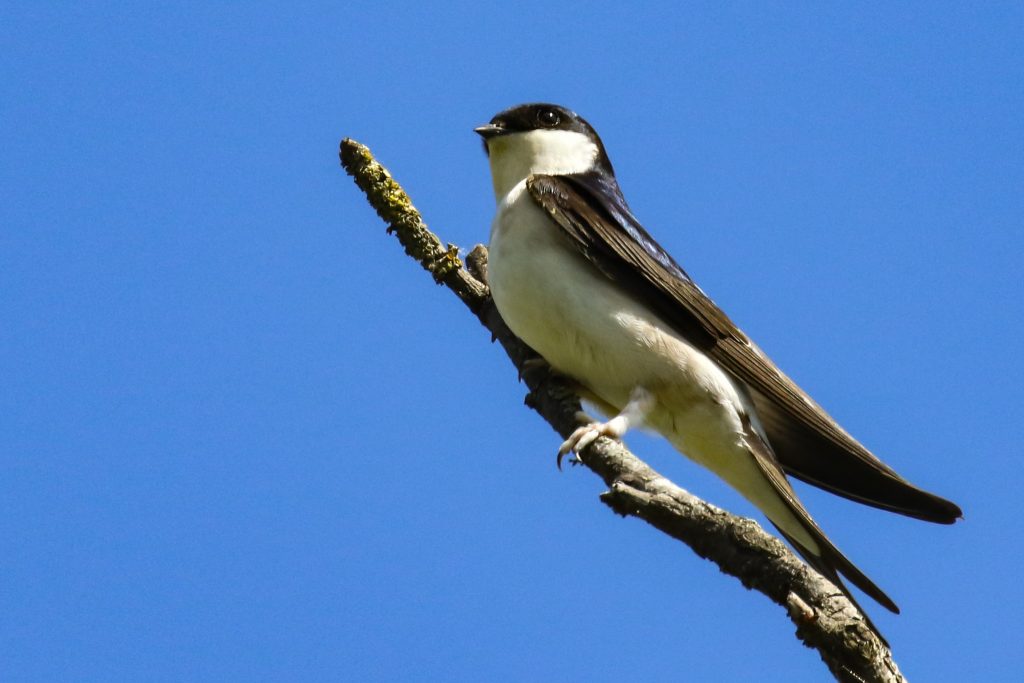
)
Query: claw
[
  {"x": 586, "y": 435},
  {"x": 586, "y": 440},
  {"x": 574, "y": 460},
  {"x": 635, "y": 412}
]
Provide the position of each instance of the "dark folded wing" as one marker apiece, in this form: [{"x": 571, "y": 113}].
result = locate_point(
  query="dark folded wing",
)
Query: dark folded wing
[
  {"x": 808, "y": 443},
  {"x": 828, "y": 560}
]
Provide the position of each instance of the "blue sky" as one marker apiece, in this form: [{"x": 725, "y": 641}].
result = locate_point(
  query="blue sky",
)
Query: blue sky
[{"x": 242, "y": 437}]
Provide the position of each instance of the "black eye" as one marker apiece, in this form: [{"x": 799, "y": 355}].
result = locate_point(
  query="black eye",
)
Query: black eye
[{"x": 548, "y": 118}]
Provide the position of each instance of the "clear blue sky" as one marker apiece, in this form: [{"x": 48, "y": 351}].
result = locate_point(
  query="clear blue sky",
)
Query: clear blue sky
[{"x": 242, "y": 437}]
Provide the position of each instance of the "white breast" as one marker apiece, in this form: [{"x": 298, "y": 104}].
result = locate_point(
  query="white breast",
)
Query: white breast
[{"x": 579, "y": 320}]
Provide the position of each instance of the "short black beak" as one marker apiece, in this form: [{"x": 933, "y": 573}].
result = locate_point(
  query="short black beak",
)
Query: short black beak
[{"x": 489, "y": 131}]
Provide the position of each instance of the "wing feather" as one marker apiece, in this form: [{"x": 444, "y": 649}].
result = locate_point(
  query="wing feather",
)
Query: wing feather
[
  {"x": 829, "y": 561},
  {"x": 807, "y": 442}
]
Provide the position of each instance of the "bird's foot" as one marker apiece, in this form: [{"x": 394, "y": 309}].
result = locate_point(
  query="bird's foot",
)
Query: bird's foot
[
  {"x": 640, "y": 404},
  {"x": 585, "y": 435}
]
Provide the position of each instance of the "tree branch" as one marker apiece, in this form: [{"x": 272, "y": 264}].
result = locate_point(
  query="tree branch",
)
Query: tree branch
[{"x": 825, "y": 619}]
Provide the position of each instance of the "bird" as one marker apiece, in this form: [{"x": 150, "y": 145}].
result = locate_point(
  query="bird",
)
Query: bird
[{"x": 575, "y": 275}]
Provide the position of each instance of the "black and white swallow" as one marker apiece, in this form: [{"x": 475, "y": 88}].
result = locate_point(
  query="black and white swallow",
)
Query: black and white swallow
[{"x": 576, "y": 276}]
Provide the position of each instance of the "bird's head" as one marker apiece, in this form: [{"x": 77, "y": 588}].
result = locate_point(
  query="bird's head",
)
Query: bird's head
[{"x": 540, "y": 138}]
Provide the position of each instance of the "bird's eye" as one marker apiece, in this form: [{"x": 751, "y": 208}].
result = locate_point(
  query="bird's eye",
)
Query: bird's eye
[{"x": 548, "y": 118}]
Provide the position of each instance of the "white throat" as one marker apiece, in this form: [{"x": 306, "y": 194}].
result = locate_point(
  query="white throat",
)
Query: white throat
[{"x": 516, "y": 156}]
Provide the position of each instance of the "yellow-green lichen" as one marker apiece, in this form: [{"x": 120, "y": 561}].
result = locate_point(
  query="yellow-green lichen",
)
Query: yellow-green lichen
[{"x": 445, "y": 263}]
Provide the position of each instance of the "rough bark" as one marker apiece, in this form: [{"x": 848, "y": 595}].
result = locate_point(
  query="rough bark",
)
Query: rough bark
[{"x": 825, "y": 619}]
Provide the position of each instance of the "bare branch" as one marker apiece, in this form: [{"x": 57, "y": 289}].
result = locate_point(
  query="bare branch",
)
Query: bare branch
[{"x": 825, "y": 619}]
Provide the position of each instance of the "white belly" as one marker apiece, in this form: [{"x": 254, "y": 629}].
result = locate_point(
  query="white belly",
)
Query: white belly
[{"x": 581, "y": 322}]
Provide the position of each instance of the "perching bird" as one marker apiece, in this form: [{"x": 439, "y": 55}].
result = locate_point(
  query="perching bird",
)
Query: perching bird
[{"x": 576, "y": 277}]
